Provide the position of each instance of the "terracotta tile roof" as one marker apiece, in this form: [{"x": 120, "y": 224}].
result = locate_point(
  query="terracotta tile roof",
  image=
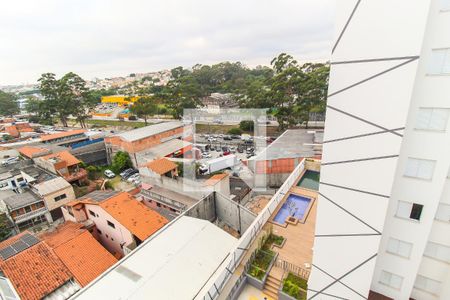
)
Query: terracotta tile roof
[
  {"x": 49, "y": 137},
  {"x": 63, "y": 233},
  {"x": 12, "y": 130},
  {"x": 215, "y": 179},
  {"x": 133, "y": 215},
  {"x": 85, "y": 257},
  {"x": 161, "y": 166},
  {"x": 30, "y": 151},
  {"x": 63, "y": 155},
  {"x": 35, "y": 272}
]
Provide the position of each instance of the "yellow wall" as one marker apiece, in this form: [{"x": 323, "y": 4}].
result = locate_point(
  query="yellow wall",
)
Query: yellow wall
[{"x": 118, "y": 99}]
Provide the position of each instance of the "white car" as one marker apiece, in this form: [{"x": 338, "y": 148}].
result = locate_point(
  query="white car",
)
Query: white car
[
  {"x": 206, "y": 155},
  {"x": 109, "y": 174},
  {"x": 10, "y": 160},
  {"x": 134, "y": 177}
]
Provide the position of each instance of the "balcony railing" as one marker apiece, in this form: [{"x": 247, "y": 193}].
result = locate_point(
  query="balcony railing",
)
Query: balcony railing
[
  {"x": 164, "y": 200},
  {"x": 81, "y": 173},
  {"x": 30, "y": 215}
]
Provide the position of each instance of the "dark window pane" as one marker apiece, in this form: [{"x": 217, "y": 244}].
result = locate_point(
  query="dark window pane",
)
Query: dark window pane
[{"x": 416, "y": 211}]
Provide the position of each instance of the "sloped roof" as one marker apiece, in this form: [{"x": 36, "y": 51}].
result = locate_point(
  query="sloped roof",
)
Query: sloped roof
[
  {"x": 133, "y": 215},
  {"x": 48, "y": 137},
  {"x": 35, "y": 272},
  {"x": 215, "y": 179},
  {"x": 161, "y": 166},
  {"x": 147, "y": 131},
  {"x": 63, "y": 155},
  {"x": 79, "y": 251},
  {"x": 30, "y": 151}
]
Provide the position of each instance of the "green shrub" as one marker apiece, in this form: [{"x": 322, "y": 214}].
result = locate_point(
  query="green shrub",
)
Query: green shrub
[
  {"x": 235, "y": 131},
  {"x": 109, "y": 185},
  {"x": 247, "y": 125},
  {"x": 295, "y": 286}
]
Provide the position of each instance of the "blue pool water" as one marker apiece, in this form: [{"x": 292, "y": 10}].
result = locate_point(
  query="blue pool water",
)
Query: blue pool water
[{"x": 295, "y": 206}]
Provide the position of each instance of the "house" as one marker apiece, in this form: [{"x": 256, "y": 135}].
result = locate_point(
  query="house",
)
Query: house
[
  {"x": 163, "y": 167},
  {"x": 33, "y": 151},
  {"x": 26, "y": 210},
  {"x": 80, "y": 252},
  {"x": 64, "y": 138},
  {"x": 32, "y": 271},
  {"x": 53, "y": 265},
  {"x": 143, "y": 139},
  {"x": 56, "y": 192},
  {"x": 7, "y": 152},
  {"x": 121, "y": 221},
  {"x": 219, "y": 183},
  {"x": 63, "y": 164}
]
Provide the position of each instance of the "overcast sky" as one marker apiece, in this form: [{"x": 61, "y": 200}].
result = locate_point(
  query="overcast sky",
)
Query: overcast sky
[{"x": 96, "y": 38}]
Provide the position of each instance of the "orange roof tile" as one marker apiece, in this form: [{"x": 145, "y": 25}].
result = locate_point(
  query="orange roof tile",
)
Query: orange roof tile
[
  {"x": 63, "y": 233},
  {"x": 49, "y": 137},
  {"x": 30, "y": 151},
  {"x": 85, "y": 257},
  {"x": 133, "y": 215},
  {"x": 35, "y": 272},
  {"x": 161, "y": 166},
  {"x": 215, "y": 179},
  {"x": 12, "y": 130},
  {"x": 63, "y": 155}
]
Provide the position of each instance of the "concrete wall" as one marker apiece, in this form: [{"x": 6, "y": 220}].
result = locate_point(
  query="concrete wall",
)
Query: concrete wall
[
  {"x": 234, "y": 215},
  {"x": 205, "y": 209},
  {"x": 8, "y": 153},
  {"x": 50, "y": 198}
]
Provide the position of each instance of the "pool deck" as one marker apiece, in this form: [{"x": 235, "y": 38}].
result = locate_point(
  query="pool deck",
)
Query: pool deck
[{"x": 300, "y": 237}]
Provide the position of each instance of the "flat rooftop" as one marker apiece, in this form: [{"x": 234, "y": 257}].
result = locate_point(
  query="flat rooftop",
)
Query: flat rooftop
[
  {"x": 144, "y": 132},
  {"x": 293, "y": 143},
  {"x": 173, "y": 264},
  {"x": 166, "y": 148}
]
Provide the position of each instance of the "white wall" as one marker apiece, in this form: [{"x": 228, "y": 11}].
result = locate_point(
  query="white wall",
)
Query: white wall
[{"x": 365, "y": 99}]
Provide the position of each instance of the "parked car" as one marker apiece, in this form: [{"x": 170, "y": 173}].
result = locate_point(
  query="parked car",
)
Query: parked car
[
  {"x": 240, "y": 150},
  {"x": 125, "y": 172},
  {"x": 110, "y": 174},
  {"x": 227, "y": 138},
  {"x": 132, "y": 118},
  {"x": 134, "y": 177},
  {"x": 10, "y": 161},
  {"x": 129, "y": 174},
  {"x": 226, "y": 152},
  {"x": 206, "y": 155}
]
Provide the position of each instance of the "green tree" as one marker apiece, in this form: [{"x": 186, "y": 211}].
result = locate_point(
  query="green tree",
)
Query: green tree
[
  {"x": 235, "y": 131},
  {"x": 247, "y": 125},
  {"x": 8, "y": 104},
  {"x": 121, "y": 161},
  {"x": 5, "y": 228},
  {"x": 144, "y": 107}
]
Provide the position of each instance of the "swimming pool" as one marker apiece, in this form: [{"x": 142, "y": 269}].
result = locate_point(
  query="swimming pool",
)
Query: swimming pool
[
  {"x": 295, "y": 206},
  {"x": 309, "y": 180}
]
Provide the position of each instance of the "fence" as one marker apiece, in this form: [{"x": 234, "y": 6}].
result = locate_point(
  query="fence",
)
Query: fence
[
  {"x": 289, "y": 267},
  {"x": 237, "y": 254}
]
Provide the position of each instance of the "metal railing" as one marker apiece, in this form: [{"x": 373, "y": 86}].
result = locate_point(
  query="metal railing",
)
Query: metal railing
[
  {"x": 249, "y": 236},
  {"x": 290, "y": 267}
]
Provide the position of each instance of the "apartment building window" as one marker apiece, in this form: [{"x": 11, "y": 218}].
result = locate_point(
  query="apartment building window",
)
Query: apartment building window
[
  {"x": 419, "y": 168},
  {"x": 445, "y": 5},
  {"x": 99, "y": 231},
  {"x": 111, "y": 224},
  {"x": 60, "y": 197},
  {"x": 91, "y": 213},
  {"x": 391, "y": 279},
  {"x": 28, "y": 209},
  {"x": 443, "y": 212},
  {"x": 407, "y": 210},
  {"x": 399, "y": 247},
  {"x": 438, "y": 251},
  {"x": 427, "y": 284},
  {"x": 440, "y": 62},
  {"x": 430, "y": 118}
]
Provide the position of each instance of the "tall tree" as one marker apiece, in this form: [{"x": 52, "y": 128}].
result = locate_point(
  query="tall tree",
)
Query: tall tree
[
  {"x": 145, "y": 107},
  {"x": 8, "y": 104}
]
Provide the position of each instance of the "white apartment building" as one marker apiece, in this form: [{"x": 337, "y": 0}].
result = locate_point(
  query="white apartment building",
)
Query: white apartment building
[{"x": 383, "y": 220}]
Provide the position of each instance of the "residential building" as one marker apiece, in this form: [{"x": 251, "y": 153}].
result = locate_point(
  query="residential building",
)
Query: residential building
[
  {"x": 175, "y": 263},
  {"x": 383, "y": 218},
  {"x": 53, "y": 265},
  {"x": 56, "y": 192},
  {"x": 63, "y": 164},
  {"x": 31, "y": 152},
  {"x": 7, "y": 152},
  {"x": 64, "y": 138},
  {"x": 80, "y": 252},
  {"x": 143, "y": 139},
  {"x": 26, "y": 210},
  {"x": 32, "y": 271},
  {"x": 121, "y": 221}
]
